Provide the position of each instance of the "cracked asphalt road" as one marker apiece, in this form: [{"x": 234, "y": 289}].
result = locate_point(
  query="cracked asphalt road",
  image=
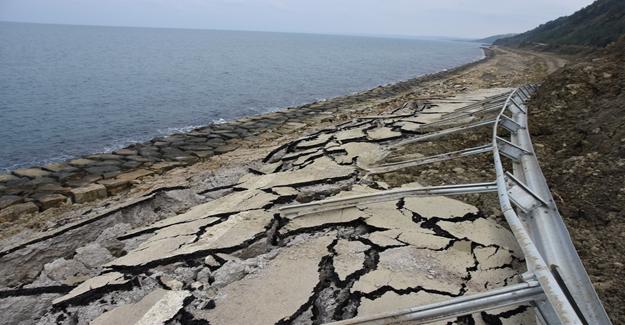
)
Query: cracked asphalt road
[{"x": 221, "y": 252}]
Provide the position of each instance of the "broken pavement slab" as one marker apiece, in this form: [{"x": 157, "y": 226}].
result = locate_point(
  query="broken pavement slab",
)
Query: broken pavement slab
[
  {"x": 158, "y": 307},
  {"x": 438, "y": 206},
  {"x": 410, "y": 268},
  {"x": 196, "y": 237},
  {"x": 285, "y": 284},
  {"x": 349, "y": 258},
  {"x": 96, "y": 283},
  {"x": 315, "y": 220},
  {"x": 383, "y": 134},
  {"x": 350, "y": 134},
  {"x": 391, "y": 301},
  {"x": 320, "y": 170},
  {"x": 315, "y": 141},
  {"x": 366, "y": 153},
  {"x": 231, "y": 203},
  {"x": 486, "y": 232}
]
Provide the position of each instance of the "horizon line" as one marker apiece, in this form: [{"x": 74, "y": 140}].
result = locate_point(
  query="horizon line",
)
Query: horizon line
[{"x": 404, "y": 36}]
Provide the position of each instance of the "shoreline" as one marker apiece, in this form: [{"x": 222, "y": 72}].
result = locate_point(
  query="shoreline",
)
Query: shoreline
[
  {"x": 103, "y": 174},
  {"x": 303, "y": 155},
  {"x": 170, "y": 131}
]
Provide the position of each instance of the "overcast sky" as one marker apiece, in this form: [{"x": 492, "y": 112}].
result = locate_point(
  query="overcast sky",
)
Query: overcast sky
[{"x": 454, "y": 18}]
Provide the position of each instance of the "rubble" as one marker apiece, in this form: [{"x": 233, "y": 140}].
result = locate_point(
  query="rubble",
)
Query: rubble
[{"x": 220, "y": 251}]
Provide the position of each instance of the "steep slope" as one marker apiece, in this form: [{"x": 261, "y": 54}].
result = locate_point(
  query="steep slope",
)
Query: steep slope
[
  {"x": 492, "y": 39},
  {"x": 597, "y": 25},
  {"x": 577, "y": 122}
]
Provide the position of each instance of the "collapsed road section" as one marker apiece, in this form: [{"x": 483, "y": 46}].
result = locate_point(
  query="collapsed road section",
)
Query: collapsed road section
[{"x": 310, "y": 236}]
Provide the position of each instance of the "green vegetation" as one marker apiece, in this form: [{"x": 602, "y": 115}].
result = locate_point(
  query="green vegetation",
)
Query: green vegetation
[
  {"x": 597, "y": 25},
  {"x": 492, "y": 39}
]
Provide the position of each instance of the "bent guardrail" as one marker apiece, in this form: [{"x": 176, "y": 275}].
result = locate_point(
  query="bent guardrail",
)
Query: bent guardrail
[{"x": 556, "y": 282}]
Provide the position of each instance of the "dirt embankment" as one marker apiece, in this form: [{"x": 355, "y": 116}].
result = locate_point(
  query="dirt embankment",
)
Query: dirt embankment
[{"x": 577, "y": 122}]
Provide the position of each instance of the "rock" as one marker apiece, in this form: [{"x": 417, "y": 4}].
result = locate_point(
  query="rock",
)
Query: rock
[
  {"x": 65, "y": 271},
  {"x": 204, "y": 275},
  {"x": 165, "y": 166},
  {"x": 137, "y": 158},
  {"x": 224, "y": 149},
  {"x": 231, "y": 271},
  {"x": 12, "y": 212},
  {"x": 7, "y": 177},
  {"x": 7, "y": 200},
  {"x": 186, "y": 274},
  {"x": 125, "y": 152},
  {"x": 81, "y": 162},
  {"x": 115, "y": 185},
  {"x": 458, "y": 170},
  {"x": 57, "y": 167},
  {"x": 48, "y": 201},
  {"x": 210, "y": 261},
  {"x": 171, "y": 283},
  {"x": 104, "y": 156},
  {"x": 23, "y": 310},
  {"x": 197, "y": 285},
  {"x": 93, "y": 255},
  {"x": 54, "y": 188},
  {"x": 85, "y": 180},
  {"x": 100, "y": 170},
  {"x": 89, "y": 193},
  {"x": 131, "y": 176},
  {"x": 158, "y": 307},
  {"x": 31, "y": 172}
]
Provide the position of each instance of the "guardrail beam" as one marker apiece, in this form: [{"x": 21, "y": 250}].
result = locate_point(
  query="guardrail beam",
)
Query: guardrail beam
[
  {"x": 511, "y": 150},
  {"x": 390, "y": 167},
  {"x": 384, "y": 196}
]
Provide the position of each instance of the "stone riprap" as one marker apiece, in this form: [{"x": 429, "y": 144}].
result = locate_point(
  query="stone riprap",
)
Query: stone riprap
[
  {"x": 234, "y": 258},
  {"x": 93, "y": 177}
]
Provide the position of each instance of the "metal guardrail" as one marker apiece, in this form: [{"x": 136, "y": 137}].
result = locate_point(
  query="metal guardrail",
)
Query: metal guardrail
[{"x": 556, "y": 282}]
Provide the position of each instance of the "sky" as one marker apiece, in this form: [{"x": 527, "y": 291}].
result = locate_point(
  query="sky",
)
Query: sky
[{"x": 451, "y": 18}]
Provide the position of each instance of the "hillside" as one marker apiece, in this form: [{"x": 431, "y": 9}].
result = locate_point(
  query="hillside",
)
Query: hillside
[
  {"x": 577, "y": 124},
  {"x": 594, "y": 26},
  {"x": 492, "y": 39}
]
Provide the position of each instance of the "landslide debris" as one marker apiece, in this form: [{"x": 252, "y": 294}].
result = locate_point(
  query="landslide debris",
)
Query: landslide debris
[{"x": 577, "y": 123}]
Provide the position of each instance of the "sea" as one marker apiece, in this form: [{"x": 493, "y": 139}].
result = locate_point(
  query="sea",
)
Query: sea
[{"x": 67, "y": 91}]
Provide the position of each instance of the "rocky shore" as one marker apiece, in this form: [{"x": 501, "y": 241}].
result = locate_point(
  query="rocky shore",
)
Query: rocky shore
[
  {"x": 97, "y": 176},
  {"x": 196, "y": 240}
]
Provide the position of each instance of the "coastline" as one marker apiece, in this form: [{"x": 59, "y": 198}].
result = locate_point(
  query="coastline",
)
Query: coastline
[
  {"x": 298, "y": 160},
  {"x": 100, "y": 175},
  {"x": 124, "y": 142}
]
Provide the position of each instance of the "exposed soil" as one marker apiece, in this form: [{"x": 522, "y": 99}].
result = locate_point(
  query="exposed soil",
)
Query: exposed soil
[{"x": 577, "y": 121}]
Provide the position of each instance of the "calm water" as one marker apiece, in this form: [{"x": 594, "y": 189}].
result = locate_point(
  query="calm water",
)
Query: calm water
[{"x": 72, "y": 90}]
